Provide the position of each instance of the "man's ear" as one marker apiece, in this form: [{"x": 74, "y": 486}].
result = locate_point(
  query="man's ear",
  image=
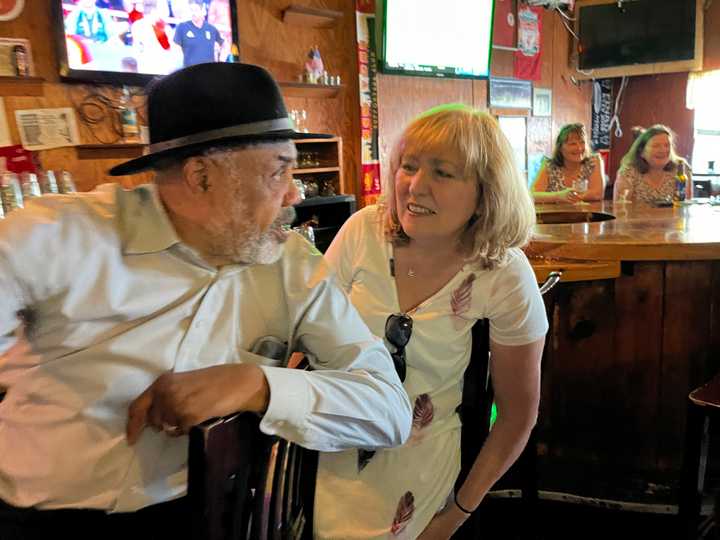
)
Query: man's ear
[{"x": 196, "y": 174}]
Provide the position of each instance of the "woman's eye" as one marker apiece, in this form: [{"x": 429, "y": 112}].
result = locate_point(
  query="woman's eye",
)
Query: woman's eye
[
  {"x": 407, "y": 167},
  {"x": 443, "y": 174}
]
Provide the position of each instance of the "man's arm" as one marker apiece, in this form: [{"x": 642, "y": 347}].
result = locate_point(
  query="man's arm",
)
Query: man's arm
[{"x": 352, "y": 398}]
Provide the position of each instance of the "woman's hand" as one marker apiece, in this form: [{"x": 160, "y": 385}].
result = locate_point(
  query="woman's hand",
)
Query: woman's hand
[
  {"x": 568, "y": 195},
  {"x": 444, "y": 524}
]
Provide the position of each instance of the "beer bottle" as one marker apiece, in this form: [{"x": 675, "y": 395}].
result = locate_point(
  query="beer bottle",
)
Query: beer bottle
[{"x": 680, "y": 184}]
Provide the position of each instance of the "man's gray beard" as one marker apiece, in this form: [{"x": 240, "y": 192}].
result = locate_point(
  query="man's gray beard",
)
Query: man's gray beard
[{"x": 255, "y": 247}]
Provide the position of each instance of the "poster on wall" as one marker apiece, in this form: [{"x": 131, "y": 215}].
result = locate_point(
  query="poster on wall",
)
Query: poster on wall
[
  {"x": 527, "y": 57},
  {"x": 602, "y": 113},
  {"x": 41, "y": 129},
  {"x": 504, "y": 24},
  {"x": 370, "y": 155}
]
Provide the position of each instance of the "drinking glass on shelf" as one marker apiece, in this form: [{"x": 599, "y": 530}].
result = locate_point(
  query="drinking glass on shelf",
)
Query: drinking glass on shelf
[
  {"x": 580, "y": 185},
  {"x": 300, "y": 187}
]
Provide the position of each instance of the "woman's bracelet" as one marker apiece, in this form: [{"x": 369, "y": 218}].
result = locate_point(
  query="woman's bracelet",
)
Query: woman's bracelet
[{"x": 468, "y": 512}]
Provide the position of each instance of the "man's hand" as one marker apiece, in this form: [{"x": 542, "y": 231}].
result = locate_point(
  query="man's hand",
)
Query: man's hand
[{"x": 177, "y": 401}]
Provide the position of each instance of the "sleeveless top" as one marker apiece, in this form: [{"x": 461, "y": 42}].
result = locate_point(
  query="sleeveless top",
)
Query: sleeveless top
[
  {"x": 644, "y": 192},
  {"x": 556, "y": 175}
]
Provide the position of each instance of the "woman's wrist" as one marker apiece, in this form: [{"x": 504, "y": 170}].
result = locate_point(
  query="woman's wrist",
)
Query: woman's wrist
[{"x": 467, "y": 512}]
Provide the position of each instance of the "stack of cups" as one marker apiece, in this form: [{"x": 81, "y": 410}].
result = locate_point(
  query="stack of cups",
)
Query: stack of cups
[
  {"x": 29, "y": 185},
  {"x": 10, "y": 192},
  {"x": 48, "y": 183}
]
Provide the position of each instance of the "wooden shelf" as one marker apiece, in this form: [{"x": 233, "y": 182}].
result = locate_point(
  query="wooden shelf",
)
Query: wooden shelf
[
  {"x": 310, "y": 141},
  {"x": 320, "y": 200},
  {"x": 308, "y": 90},
  {"x": 311, "y": 17},
  {"x": 110, "y": 151},
  {"x": 316, "y": 170},
  {"x": 21, "y": 86}
]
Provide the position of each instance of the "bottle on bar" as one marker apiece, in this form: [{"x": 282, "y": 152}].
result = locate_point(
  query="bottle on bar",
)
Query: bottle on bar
[
  {"x": 29, "y": 185},
  {"x": 48, "y": 183},
  {"x": 10, "y": 192},
  {"x": 680, "y": 185}
]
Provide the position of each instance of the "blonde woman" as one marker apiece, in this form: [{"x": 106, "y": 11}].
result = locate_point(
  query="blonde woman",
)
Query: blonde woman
[
  {"x": 573, "y": 173},
  {"x": 647, "y": 172},
  {"x": 439, "y": 253}
]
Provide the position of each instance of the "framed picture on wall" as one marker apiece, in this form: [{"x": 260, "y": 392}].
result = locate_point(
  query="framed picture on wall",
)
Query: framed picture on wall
[
  {"x": 16, "y": 58},
  {"x": 542, "y": 102},
  {"x": 510, "y": 93}
]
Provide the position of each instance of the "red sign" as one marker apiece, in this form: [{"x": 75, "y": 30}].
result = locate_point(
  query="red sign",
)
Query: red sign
[
  {"x": 16, "y": 159},
  {"x": 504, "y": 24}
]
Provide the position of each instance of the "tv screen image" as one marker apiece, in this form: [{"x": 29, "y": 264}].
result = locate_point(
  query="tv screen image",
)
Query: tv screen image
[
  {"x": 131, "y": 41},
  {"x": 452, "y": 38},
  {"x": 641, "y": 32}
]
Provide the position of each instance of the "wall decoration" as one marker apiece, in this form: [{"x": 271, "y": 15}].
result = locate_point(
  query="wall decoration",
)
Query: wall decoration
[
  {"x": 10, "y": 9},
  {"x": 527, "y": 57},
  {"x": 16, "y": 58},
  {"x": 510, "y": 93},
  {"x": 504, "y": 24},
  {"x": 41, "y": 129},
  {"x": 367, "y": 64},
  {"x": 542, "y": 102},
  {"x": 602, "y": 113}
]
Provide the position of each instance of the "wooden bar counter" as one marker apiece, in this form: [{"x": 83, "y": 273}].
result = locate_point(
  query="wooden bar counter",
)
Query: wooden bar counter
[{"x": 635, "y": 324}]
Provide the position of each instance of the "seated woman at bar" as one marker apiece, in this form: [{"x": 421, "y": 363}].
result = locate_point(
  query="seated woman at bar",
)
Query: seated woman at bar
[
  {"x": 573, "y": 173},
  {"x": 441, "y": 251},
  {"x": 647, "y": 172}
]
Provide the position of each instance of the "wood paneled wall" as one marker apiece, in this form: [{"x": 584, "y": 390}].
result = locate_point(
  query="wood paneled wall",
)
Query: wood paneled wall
[
  {"x": 281, "y": 47},
  {"x": 402, "y": 98},
  {"x": 660, "y": 99},
  {"x": 264, "y": 40}
]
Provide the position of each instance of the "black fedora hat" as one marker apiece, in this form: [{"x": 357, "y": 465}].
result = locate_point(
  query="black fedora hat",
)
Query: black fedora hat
[{"x": 212, "y": 104}]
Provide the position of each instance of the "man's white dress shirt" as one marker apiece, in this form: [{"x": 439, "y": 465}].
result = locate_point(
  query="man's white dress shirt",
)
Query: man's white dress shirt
[{"x": 118, "y": 300}]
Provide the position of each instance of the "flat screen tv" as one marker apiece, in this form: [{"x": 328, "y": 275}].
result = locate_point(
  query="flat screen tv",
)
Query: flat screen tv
[
  {"x": 451, "y": 38},
  {"x": 133, "y": 41},
  {"x": 651, "y": 35}
]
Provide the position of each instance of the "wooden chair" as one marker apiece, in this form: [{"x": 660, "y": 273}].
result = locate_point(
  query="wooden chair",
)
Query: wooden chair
[
  {"x": 244, "y": 485},
  {"x": 475, "y": 412},
  {"x": 703, "y": 405}
]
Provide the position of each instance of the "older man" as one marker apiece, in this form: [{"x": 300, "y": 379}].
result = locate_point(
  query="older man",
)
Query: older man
[{"x": 162, "y": 292}]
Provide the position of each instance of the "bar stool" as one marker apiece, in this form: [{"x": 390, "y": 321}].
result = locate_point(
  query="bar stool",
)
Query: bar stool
[{"x": 703, "y": 404}]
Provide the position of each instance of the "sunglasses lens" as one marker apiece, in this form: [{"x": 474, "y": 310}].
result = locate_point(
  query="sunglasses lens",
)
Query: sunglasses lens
[{"x": 398, "y": 330}]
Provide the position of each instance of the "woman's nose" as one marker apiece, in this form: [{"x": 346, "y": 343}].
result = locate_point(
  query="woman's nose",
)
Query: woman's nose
[{"x": 418, "y": 182}]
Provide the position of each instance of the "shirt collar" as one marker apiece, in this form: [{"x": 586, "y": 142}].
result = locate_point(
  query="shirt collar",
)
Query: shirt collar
[{"x": 144, "y": 224}]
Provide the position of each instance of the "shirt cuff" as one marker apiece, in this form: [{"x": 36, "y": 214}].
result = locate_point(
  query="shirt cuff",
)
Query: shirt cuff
[{"x": 289, "y": 404}]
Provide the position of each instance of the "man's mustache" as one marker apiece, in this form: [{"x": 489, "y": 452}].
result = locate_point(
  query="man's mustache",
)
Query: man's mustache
[{"x": 286, "y": 217}]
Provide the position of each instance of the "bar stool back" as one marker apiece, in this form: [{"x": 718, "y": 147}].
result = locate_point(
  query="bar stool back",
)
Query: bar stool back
[{"x": 703, "y": 405}]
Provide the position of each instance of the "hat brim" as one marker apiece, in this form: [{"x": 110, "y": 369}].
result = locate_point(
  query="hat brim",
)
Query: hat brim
[{"x": 147, "y": 161}]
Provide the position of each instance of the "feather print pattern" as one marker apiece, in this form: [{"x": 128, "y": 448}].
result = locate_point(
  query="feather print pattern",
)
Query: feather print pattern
[
  {"x": 423, "y": 412},
  {"x": 403, "y": 514},
  {"x": 461, "y": 299}
]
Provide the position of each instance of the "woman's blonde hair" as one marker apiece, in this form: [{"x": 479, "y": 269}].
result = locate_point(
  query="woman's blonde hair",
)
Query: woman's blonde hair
[{"x": 504, "y": 212}]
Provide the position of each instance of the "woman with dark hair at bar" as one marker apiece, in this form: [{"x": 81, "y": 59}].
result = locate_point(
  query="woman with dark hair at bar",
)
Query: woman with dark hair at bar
[
  {"x": 647, "y": 172},
  {"x": 573, "y": 173},
  {"x": 441, "y": 251}
]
